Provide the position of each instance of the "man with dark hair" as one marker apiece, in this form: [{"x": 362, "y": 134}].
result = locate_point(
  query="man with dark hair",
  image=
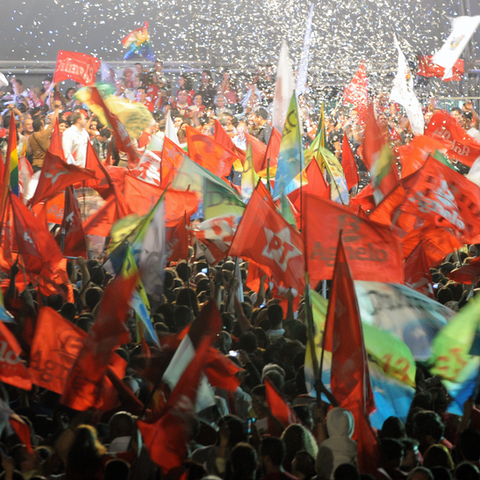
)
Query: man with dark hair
[
  {"x": 428, "y": 429},
  {"x": 272, "y": 454},
  {"x": 243, "y": 461},
  {"x": 39, "y": 141},
  {"x": 75, "y": 140},
  {"x": 275, "y": 316},
  {"x": 264, "y": 129}
]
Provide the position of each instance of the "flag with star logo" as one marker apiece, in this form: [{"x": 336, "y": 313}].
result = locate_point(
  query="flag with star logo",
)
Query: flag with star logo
[
  {"x": 290, "y": 158},
  {"x": 55, "y": 176},
  {"x": 12, "y": 370},
  {"x": 267, "y": 239}
]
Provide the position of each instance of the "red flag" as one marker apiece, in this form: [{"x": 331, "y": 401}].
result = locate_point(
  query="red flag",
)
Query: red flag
[
  {"x": 208, "y": 153},
  {"x": 102, "y": 182},
  {"x": 83, "y": 388},
  {"x": 74, "y": 241},
  {"x": 316, "y": 186},
  {"x": 100, "y": 223},
  {"x": 142, "y": 197},
  {"x": 258, "y": 152},
  {"x": 465, "y": 149},
  {"x": 373, "y": 252},
  {"x": 55, "y": 176},
  {"x": 12, "y": 370},
  {"x": 79, "y": 67},
  {"x": 56, "y": 143},
  {"x": 222, "y": 137},
  {"x": 378, "y": 158},
  {"x": 19, "y": 426},
  {"x": 349, "y": 164},
  {"x": 466, "y": 274},
  {"x": 265, "y": 237},
  {"x": 172, "y": 158},
  {"x": 177, "y": 240},
  {"x": 350, "y": 378},
  {"x": 167, "y": 438},
  {"x": 273, "y": 149},
  {"x": 220, "y": 371},
  {"x": 356, "y": 92},
  {"x": 417, "y": 271},
  {"x": 426, "y": 68},
  {"x": 278, "y": 407},
  {"x": 121, "y": 135}
]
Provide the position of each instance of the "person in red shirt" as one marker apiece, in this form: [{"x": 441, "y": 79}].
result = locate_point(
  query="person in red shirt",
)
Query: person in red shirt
[{"x": 142, "y": 98}]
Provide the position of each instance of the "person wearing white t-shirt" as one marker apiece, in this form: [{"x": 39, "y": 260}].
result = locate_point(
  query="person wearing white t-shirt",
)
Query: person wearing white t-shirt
[{"x": 75, "y": 141}]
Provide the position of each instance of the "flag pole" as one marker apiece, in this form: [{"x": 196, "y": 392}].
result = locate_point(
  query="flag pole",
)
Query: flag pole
[{"x": 268, "y": 174}]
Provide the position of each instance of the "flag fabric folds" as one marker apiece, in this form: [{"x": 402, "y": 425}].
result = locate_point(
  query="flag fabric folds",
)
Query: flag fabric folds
[{"x": 79, "y": 67}]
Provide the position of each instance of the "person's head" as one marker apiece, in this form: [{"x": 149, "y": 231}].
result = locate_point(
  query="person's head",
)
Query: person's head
[
  {"x": 206, "y": 77},
  {"x": 38, "y": 124},
  {"x": 297, "y": 438},
  {"x": 420, "y": 473},
  {"x": 198, "y": 100},
  {"x": 27, "y": 126},
  {"x": 120, "y": 425},
  {"x": 411, "y": 455},
  {"x": 158, "y": 66},
  {"x": 183, "y": 317},
  {"x": 220, "y": 101},
  {"x": 275, "y": 316},
  {"x": 456, "y": 113},
  {"x": 428, "y": 429},
  {"x": 437, "y": 456},
  {"x": 346, "y": 471},
  {"x": 272, "y": 453},
  {"x": 466, "y": 471},
  {"x": 261, "y": 116},
  {"x": 303, "y": 465},
  {"x": 391, "y": 450},
  {"x": 116, "y": 469},
  {"x": 70, "y": 93},
  {"x": 259, "y": 401},
  {"x": 248, "y": 342},
  {"x": 85, "y": 450},
  {"x": 79, "y": 120},
  {"x": 469, "y": 444},
  {"x": 137, "y": 82},
  {"x": 182, "y": 97},
  {"x": 243, "y": 461},
  {"x": 392, "y": 427},
  {"x": 141, "y": 95},
  {"x": 340, "y": 423},
  {"x": 121, "y": 85},
  {"x": 104, "y": 135}
]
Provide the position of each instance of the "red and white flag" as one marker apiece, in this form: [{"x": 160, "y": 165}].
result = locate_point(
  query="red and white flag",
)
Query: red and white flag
[{"x": 79, "y": 67}]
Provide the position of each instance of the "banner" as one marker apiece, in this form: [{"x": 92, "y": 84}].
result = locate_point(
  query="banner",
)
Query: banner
[{"x": 79, "y": 67}]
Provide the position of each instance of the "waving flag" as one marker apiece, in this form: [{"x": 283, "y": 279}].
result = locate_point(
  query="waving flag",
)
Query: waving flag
[
  {"x": 138, "y": 44},
  {"x": 72, "y": 237},
  {"x": 402, "y": 93},
  {"x": 426, "y": 68},
  {"x": 349, "y": 164},
  {"x": 283, "y": 89},
  {"x": 290, "y": 159},
  {"x": 302, "y": 72},
  {"x": 12, "y": 155},
  {"x": 249, "y": 176},
  {"x": 356, "y": 92},
  {"x": 79, "y": 67},
  {"x": 462, "y": 31}
]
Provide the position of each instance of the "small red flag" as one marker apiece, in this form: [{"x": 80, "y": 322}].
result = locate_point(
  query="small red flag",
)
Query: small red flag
[
  {"x": 222, "y": 137},
  {"x": 278, "y": 407},
  {"x": 177, "y": 240},
  {"x": 102, "y": 182},
  {"x": 349, "y": 164},
  {"x": 465, "y": 149},
  {"x": 100, "y": 223},
  {"x": 356, "y": 92},
  {"x": 79, "y": 67},
  {"x": 417, "y": 271},
  {"x": 56, "y": 142},
  {"x": 12, "y": 370},
  {"x": 273, "y": 150},
  {"x": 258, "y": 152}
]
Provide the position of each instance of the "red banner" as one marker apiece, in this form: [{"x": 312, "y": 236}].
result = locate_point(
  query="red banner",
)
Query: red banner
[{"x": 79, "y": 67}]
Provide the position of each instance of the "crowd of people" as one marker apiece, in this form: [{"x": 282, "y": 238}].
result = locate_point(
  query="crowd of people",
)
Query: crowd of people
[{"x": 238, "y": 438}]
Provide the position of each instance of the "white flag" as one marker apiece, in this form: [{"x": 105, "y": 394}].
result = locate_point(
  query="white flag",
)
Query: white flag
[
  {"x": 402, "y": 93},
  {"x": 302, "y": 71},
  {"x": 170, "y": 131},
  {"x": 462, "y": 31},
  {"x": 283, "y": 89}
]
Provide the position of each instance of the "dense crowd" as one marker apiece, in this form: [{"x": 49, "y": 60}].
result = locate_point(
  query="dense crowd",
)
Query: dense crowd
[{"x": 238, "y": 438}]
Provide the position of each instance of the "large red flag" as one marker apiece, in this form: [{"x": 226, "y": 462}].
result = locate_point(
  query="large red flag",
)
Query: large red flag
[
  {"x": 265, "y": 237},
  {"x": 349, "y": 164},
  {"x": 417, "y": 271},
  {"x": 100, "y": 223},
  {"x": 278, "y": 407},
  {"x": 56, "y": 142},
  {"x": 466, "y": 274},
  {"x": 350, "y": 378},
  {"x": 356, "y": 92},
  {"x": 12, "y": 370},
  {"x": 172, "y": 158},
  {"x": 72, "y": 237},
  {"x": 374, "y": 254},
  {"x": 465, "y": 149},
  {"x": 177, "y": 240},
  {"x": 84, "y": 384},
  {"x": 102, "y": 182},
  {"x": 55, "y": 176},
  {"x": 79, "y": 67},
  {"x": 209, "y": 154},
  {"x": 426, "y": 68},
  {"x": 167, "y": 438}
]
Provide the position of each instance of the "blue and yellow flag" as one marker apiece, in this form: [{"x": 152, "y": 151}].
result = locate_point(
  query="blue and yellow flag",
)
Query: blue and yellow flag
[{"x": 290, "y": 159}]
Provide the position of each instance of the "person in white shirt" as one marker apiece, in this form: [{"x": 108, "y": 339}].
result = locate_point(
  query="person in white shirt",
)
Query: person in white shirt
[{"x": 75, "y": 140}]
